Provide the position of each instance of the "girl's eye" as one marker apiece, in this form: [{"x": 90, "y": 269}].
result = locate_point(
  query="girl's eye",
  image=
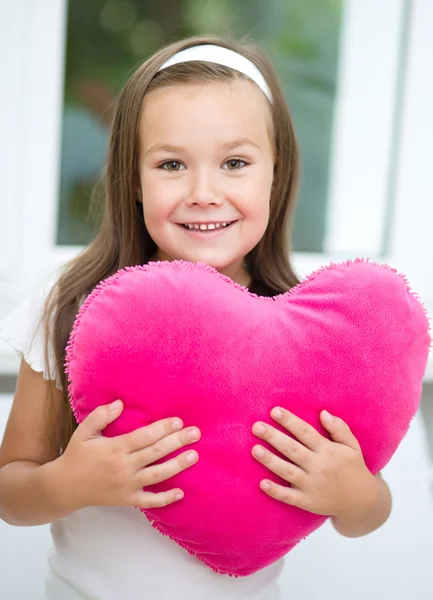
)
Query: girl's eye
[
  {"x": 233, "y": 164},
  {"x": 174, "y": 165},
  {"x": 171, "y": 165}
]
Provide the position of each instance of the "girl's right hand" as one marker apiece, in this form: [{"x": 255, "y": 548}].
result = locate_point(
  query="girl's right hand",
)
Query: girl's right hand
[{"x": 98, "y": 471}]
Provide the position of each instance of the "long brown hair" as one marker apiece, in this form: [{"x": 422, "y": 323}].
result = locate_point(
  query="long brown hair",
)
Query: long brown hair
[{"x": 123, "y": 240}]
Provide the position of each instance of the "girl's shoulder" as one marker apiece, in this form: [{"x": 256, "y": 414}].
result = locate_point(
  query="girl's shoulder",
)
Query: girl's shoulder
[{"x": 23, "y": 330}]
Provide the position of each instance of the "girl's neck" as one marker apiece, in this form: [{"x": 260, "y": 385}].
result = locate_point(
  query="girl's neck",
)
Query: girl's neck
[{"x": 237, "y": 272}]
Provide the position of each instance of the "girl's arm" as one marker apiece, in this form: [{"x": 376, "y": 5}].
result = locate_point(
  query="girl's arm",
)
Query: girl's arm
[
  {"x": 37, "y": 486},
  {"x": 26, "y": 494},
  {"x": 27, "y": 454},
  {"x": 375, "y": 509}
]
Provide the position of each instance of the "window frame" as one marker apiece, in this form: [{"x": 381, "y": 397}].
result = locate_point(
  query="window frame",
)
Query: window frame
[{"x": 33, "y": 35}]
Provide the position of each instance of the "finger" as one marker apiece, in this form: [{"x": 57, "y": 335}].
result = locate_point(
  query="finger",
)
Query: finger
[
  {"x": 149, "y": 434},
  {"x": 288, "y": 495},
  {"x": 339, "y": 430},
  {"x": 305, "y": 433},
  {"x": 161, "y": 472},
  {"x": 283, "y": 468},
  {"x": 98, "y": 419},
  {"x": 150, "y": 500},
  {"x": 288, "y": 447},
  {"x": 165, "y": 446}
]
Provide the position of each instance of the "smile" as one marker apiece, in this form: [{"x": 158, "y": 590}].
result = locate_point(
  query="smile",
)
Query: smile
[{"x": 207, "y": 226}]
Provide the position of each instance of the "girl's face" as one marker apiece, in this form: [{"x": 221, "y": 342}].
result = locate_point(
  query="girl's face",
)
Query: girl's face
[{"x": 206, "y": 169}]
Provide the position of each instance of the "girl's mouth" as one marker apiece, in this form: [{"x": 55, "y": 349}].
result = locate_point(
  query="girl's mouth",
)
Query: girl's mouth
[
  {"x": 207, "y": 226},
  {"x": 206, "y": 230}
]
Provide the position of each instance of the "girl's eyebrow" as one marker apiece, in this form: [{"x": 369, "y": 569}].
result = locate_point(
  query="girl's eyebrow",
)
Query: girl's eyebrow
[{"x": 228, "y": 146}]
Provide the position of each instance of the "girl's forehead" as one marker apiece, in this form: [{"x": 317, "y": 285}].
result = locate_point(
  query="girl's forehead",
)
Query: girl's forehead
[
  {"x": 220, "y": 94},
  {"x": 221, "y": 105}
]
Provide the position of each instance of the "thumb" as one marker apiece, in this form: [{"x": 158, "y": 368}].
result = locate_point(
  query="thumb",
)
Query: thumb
[
  {"x": 99, "y": 418},
  {"x": 339, "y": 430}
]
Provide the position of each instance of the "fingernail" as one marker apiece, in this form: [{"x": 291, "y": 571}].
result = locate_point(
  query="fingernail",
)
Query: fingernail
[
  {"x": 265, "y": 485},
  {"x": 260, "y": 429},
  {"x": 277, "y": 413},
  {"x": 193, "y": 435},
  {"x": 115, "y": 405},
  {"x": 179, "y": 496},
  {"x": 176, "y": 425},
  {"x": 191, "y": 457},
  {"x": 328, "y": 417},
  {"x": 259, "y": 452}
]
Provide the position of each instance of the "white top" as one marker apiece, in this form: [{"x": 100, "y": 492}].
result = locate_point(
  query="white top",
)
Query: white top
[{"x": 113, "y": 553}]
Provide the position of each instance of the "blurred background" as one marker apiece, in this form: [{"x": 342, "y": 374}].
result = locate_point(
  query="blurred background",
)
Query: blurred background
[{"x": 357, "y": 75}]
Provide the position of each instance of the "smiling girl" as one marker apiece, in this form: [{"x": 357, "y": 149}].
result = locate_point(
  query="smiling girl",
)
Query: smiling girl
[{"x": 202, "y": 166}]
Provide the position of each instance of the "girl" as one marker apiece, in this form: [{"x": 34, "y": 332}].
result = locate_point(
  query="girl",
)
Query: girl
[{"x": 202, "y": 166}]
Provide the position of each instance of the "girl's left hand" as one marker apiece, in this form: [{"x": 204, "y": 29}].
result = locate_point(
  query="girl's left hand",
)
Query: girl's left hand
[{"x": 327, "y": 477}]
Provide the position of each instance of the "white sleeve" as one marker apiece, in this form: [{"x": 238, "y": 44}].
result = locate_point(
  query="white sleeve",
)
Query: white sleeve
[{"x": 24, "y": 332}]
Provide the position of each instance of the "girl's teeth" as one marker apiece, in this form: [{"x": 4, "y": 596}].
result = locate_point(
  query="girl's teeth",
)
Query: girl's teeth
[{"x": 204, "y": 227}]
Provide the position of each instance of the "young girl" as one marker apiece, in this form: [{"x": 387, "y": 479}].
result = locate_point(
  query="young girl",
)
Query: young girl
[{"x": 202, "y": 166}]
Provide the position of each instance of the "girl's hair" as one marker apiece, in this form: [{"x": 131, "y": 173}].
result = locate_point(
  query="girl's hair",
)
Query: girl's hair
[{"x": 123, "y": 240}]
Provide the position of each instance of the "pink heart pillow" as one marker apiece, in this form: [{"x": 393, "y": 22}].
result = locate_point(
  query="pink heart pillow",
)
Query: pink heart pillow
[{"x": 180, "y": 339}]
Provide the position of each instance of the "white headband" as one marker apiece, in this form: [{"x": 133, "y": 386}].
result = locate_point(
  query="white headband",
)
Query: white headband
[{"x": 221, "y": 56}]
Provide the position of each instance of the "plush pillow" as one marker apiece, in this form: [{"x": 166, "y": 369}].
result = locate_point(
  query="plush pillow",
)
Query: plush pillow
[{"x": 181, "y": 339}]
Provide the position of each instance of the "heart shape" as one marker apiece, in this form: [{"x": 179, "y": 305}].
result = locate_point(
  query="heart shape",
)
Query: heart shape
[{"x": 177, "y": 338}]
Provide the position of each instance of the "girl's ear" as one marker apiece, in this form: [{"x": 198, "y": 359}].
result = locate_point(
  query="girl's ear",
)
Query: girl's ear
[{"x": 137, "y": 187}]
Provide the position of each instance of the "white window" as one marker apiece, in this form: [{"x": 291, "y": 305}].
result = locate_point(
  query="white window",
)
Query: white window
[{"x": 361, "y": 97}]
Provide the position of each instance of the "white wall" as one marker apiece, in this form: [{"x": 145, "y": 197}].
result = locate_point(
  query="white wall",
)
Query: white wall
[
  {"x": 22, "y": 549},
  {"x": 393, "y": 563}
]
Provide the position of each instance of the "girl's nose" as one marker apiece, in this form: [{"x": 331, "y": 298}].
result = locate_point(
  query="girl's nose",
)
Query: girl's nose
[{"x": 203, "y": 192}]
